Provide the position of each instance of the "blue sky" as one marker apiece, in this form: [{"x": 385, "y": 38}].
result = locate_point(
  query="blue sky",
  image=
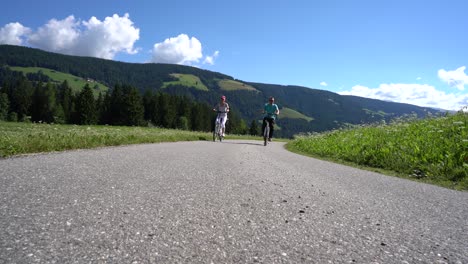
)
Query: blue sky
[{"x": 408, "y": 51}]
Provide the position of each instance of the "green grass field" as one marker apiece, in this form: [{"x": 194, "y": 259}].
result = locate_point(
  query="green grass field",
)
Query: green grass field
[
  {"x": 290, "y": 113},
  {"x": 433, "y": 150},
  {"x": 231, "y": 85},
  {"x": 75, "y": 82},
  {"x": 188, "y": 80},
  {"x": 22, "y": 138}
]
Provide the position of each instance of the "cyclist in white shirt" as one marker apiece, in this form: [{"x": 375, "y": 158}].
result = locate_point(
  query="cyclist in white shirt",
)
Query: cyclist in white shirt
[{"x": 222, "y": 108}]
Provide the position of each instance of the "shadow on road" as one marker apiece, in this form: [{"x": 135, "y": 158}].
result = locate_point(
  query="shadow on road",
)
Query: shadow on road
[{"x": 242, "y": 143}]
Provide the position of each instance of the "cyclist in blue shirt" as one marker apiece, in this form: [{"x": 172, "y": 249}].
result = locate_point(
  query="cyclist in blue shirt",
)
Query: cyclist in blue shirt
[{"x": 271, "y": 111}]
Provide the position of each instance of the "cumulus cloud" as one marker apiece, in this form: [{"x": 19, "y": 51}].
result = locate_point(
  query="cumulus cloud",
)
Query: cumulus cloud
[
  {"x": 210, "y": 59},
  {"x": 456, "y": 78},
  {"x": 323, "y": 84},
  {"x": 13, "y": 33},
  {"x": 95, "y": 38},
  {"x": 104, "y": 39},
  {"x": 178, "y": 50},
  {"x": 57, "y": 35},
  {"x": 415, "y": 94}
]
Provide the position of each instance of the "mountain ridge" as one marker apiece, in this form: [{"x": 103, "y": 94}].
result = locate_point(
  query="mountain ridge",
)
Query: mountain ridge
[{"x": 326, "y": 110}]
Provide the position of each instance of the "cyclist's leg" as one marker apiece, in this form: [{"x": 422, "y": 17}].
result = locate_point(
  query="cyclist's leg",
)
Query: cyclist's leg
[
  {"x": 223, "y": 125},
  {"x": 272, "y": 127}
]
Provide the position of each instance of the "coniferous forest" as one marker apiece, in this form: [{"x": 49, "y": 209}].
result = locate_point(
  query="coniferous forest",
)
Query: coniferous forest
[{"x": 35, "y": 98}]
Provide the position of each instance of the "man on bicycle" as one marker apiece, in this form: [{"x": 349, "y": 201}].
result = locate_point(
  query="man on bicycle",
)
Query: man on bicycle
[
  {"x": 222, "y": 108},
  {"x": 270, "y": 110}
]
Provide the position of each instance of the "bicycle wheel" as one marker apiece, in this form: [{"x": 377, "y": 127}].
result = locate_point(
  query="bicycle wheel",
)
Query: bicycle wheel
[
  {"x": 220, "y": 133},
  {"x": 215, "y": 131}
]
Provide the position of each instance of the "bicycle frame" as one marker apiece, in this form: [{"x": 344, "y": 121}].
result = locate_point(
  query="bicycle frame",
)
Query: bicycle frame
[{"x": 218, "y": 131}]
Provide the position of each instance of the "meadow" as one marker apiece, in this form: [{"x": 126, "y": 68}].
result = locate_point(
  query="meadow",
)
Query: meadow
[
  {"x": 432, "y": 150},
  {"x": 75, "y": 82},
  {"x": 23, "y": 138},
  {"x": 188, "y": 80}
]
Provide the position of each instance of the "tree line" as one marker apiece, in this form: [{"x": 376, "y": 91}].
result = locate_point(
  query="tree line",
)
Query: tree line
[{"x": 35, "y": 98}]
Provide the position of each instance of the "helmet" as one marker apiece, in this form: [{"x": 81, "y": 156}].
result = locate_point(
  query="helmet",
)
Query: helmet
[{"x": 223, "y": 98}]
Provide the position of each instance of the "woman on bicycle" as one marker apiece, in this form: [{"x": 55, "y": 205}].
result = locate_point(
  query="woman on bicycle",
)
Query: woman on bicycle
[
  {"x": 270, "y": 110},
  {"x": 222, "y": 108}
]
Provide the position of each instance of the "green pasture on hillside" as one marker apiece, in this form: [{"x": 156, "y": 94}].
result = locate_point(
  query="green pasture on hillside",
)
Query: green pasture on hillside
[
  {"x": 231, "y": 85},
  {"x": 75, "y": 82},
  {"x": 290, "y": 113},
  {"x": 188, "y": 80}
]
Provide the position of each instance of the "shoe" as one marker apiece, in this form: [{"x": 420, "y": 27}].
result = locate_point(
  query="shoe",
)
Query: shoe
[{"x": 269, "y": 139}]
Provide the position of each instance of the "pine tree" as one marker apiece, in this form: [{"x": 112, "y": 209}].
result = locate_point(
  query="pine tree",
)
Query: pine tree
[
  {"x": 86, "y": 107},
  {"x": 4, "y": 106},
  {"x": 20, "y": 101},
  {"x": 133, "y": 111},
  {"x": 166, "y": 110},
  {"x": 43, "y": 106},
  {"x": 253, "y": 130},
  {"x": 182, "y": 123},
  {"x": 184, "y": 110},
  {"x": 148, "y": 105},
  {"x": 116, "y": 106},
  {"x": 105, "y": 116},
  {"x": 66, "y": 99}
]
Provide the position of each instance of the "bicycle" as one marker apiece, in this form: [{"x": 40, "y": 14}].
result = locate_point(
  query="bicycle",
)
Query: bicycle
[
  {"x": 266, "y": 130},
  {"x": 218, "y": 130}
]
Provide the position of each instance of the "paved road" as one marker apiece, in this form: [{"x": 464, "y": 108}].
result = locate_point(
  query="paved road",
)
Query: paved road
[{"x": 230, "y": 202}]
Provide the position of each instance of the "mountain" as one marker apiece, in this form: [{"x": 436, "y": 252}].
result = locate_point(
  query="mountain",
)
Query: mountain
[{"x": 305, "y": 109}]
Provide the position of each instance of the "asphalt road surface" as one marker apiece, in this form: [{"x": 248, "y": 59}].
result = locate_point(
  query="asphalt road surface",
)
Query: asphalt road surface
[{"x": 212, "y": 202}]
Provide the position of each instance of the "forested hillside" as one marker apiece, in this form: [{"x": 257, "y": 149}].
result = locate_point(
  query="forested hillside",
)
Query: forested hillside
[
  {"x": 39, "y": 100},
  {"x": 323, "y": 110}
]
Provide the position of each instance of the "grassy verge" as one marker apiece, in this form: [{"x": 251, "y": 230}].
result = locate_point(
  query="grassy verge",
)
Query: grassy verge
[
  {"x": 23, "y": 138},
  {"x": 433, "y": 150}
]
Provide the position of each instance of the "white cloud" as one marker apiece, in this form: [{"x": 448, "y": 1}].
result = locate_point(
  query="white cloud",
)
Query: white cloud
[
  {"x": 57, "y": 35},
  {"x": 419, "y": 78},
  {"x": 13, "y": 33},
  {"x": 210, "y": 59},
  {"x": 95, "y": 38},
  {"x": 178, "y": 50},
  {"x": 415, "y": 94},
  {"x": 323, "y": 84},
  {"x": 456, "y": 78},
  {"x": 104, "y": 39}
]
